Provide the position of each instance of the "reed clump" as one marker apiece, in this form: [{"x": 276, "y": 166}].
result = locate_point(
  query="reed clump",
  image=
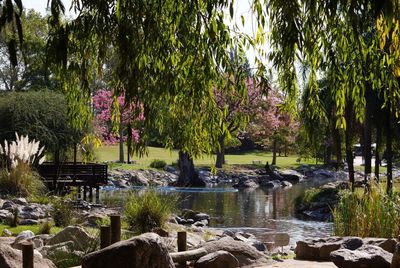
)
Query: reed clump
[{"x": 371, "y": 214}]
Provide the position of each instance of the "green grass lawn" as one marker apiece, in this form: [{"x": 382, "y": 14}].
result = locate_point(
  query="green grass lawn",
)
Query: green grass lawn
[
  {"x": 111, "y": 154},
  {"x": 34, "y": 228}
]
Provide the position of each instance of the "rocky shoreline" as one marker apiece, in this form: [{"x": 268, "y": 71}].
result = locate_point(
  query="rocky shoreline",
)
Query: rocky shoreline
[{"x": 242, "y": 178}]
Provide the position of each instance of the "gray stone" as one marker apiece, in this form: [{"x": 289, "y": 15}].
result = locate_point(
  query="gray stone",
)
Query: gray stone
[
  {"x": 24, "y": 235},
  {"x": 201, "y": 216},
  {"x": 144, "y": 251},
  {"x": 291, "y": 175},
  {"x": 365, "y": 256},
  {"x": 8, "y": 205},
  {"x": 28, "y": 222},
  {"x": 6, "y": 233},
  {"x": 12, "y": 258},
  {"x": 246, "y": 182},
  {"x": 286, "y": 184},
  {"x": 20, "y": 201},
  {"x": 199, "y": 224},
  {"x": 82, "y": 240},
  {"x": 271, "y": 184},
  {"x": 317, "y": 249},
  {"x": 36, "y": 241},
  {"x": 352, "y": 243},
  {"x": 139, "y": 179},
  {"x": 217, "y": 259},
  {"x": 244, "y": 253},
  {"x": 4, "y": 214}
]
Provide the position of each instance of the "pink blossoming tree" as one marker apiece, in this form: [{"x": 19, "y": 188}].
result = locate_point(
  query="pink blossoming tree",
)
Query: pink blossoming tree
[{"x": 104, "y": 104}]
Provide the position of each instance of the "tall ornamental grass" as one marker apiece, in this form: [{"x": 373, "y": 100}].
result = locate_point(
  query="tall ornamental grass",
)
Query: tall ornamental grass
[
  {"x": 373, "y": 214},
  {"x": 149, "y": 209},
  {"x": 17, "y": 177}
]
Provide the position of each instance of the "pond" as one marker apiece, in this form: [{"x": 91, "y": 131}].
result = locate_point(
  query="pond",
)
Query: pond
[{"x": 259, "y": 211}]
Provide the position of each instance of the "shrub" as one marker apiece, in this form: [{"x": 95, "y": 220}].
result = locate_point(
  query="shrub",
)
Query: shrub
[
  {"x": 21, "y": 181},
  {"x": 62, "y": 212},
  {"x": 45, "y": 227},
  {"x": 157, "y": 163},
  {"x": 149, "y": 209},
  {"x": 18, "y": 178},
  {"x": 374, "y": 214},
  {"x": 316, "y": 195}
]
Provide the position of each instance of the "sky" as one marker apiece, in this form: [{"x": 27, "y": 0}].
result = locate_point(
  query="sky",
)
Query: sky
[{"x": 242, "y": 8}]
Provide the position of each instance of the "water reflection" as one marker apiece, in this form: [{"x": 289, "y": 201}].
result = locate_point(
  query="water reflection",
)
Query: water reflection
[{"x": 259, "y": 210}]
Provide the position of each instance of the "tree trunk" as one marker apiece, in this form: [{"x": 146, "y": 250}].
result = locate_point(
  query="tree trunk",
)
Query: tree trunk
[
  {"x": 328, "y": 155},
  {"x": 367, "y": 142},
  {"x": 274, "y": 152},
  {"x": 377, "y": 158},
  {"x": 338, "y": 148},
  {"x": 349, "y": 157},
  {"x": 389, "y": 151},
  {"x": 187, "y": 174},
  {"x": 349, "y": 146},
  {"x": 286, "y": 154},
  {"x": 121, "y": 145},
  {"x": 220, "y": 152}
]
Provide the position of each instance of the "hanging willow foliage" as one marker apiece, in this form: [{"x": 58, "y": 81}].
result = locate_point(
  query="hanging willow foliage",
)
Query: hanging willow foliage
[
  {"x": 167, "y": 54},
  {"x": 355, "y": 43}
]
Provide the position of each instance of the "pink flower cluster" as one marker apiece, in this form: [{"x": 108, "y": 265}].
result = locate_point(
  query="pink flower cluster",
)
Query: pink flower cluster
[{"x": 103, "y": 104}]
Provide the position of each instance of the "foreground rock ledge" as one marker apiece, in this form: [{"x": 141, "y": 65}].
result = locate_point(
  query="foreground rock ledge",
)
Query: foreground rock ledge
[
  {"x": 144, "y": 251},
  {"x": 365, "y": 256},
  {"x": 12, "y": 258},
  {"x": 320, "y": 249}
]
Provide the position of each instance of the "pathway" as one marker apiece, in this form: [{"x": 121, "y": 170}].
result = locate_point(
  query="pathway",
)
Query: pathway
[{"x": 300, "y": 264}]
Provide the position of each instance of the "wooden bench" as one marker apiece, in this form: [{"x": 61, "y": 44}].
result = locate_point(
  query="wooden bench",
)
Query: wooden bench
[{"x": 84, "y": 175}]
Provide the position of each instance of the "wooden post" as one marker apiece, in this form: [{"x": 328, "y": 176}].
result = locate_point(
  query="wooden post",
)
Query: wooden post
[
  {"x": 27, "y": 255},
  {"x": 90, "y": 194},
  {"x": 97, "y": 194},
  {"x": 182, "y": 246},
  {"x": 105, "y": 236},
  {"x": 115, "y": 228}
]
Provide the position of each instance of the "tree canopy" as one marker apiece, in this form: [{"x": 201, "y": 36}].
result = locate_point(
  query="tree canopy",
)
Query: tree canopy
[{"x": 42, "y": 115}]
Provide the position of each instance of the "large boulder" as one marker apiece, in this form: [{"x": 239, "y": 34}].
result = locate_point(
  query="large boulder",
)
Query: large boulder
[
  {"x": 144, "y": 251},
  {"x": 320, "y": 249},
  {"x": 317, "y": 249},
  {"x": 365, "y": 256},
  {"x": 216, "y": 260},
  {"x": 244, "y": 253},
  {"x": 12, "y": 258},
  {"x": 82, "y": 240}
]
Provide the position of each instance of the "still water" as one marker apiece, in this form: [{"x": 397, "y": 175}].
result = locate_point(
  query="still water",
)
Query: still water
[{"x": 259, "y": 211}]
